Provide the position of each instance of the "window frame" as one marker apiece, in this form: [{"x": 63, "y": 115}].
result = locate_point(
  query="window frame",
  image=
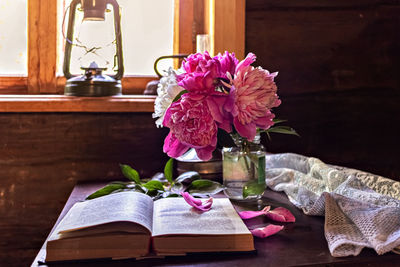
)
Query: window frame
[
  {"x": 191, "y": 17},
  {"x": 42, "y": 29}
]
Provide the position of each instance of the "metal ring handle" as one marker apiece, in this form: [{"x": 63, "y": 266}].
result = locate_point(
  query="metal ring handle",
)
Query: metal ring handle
[{"x": 165, "y": 57}]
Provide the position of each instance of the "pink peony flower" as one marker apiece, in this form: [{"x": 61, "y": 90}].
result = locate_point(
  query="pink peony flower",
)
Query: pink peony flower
[
  {"x": 191, "y": 126},
  {"x": 252, "y": 95},
  {"x": 216, "y": 102},
  {"x": 228, "y": 63},
  {"x": 201, "y": 73},
  {"x": 221, "y": 92},
  {"x": 250, "y": 58}
]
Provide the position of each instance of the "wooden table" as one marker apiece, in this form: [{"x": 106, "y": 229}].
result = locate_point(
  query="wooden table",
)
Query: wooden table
[{"x": 300, "y": 243}]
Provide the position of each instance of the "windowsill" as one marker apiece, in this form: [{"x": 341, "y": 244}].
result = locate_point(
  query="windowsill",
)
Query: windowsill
[{"x": 61, "y": 103}]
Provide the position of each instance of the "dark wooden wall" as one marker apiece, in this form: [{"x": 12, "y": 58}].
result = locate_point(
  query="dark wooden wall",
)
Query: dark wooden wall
[
  {"x": 339, "y": 81},
  {"x": 339, "y": 77},
  {"x": 43, "y": 155}
]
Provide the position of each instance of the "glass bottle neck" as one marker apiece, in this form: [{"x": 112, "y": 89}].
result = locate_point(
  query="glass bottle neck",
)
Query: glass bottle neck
[{"x": 240, "y": 141}]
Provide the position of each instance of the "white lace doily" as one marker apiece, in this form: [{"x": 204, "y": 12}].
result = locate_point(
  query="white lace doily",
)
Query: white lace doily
[{"x": 360, "y": 209}]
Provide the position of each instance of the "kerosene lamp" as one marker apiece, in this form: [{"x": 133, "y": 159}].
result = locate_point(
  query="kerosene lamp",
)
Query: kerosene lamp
[{"x": 85, "y": 44}]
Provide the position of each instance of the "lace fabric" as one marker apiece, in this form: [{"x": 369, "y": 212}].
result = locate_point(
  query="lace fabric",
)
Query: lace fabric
[{"x": 360, "y": 209}]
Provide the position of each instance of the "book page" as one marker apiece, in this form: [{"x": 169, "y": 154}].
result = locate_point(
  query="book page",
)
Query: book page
[
  {"x": 119, "y": 207},
  {"x": 175, "y": 216}
]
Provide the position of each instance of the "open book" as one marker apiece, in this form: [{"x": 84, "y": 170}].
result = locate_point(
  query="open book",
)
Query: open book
[{"x": 131, "y": 225}]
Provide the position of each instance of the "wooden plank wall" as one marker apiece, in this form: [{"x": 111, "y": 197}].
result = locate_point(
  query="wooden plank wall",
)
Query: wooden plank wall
[
  {"x": 43, "y": 155},
  {"x": 339, "y": 77}
]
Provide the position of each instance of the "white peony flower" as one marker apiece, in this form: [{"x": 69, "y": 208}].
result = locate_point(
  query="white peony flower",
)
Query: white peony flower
[{"x": 167, "y": 90}]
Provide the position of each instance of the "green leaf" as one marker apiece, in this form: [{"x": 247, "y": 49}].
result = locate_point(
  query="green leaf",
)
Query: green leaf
[
  {"x": 169, "y": 194},
  {"x": 276, "y": 121},
  {"x": 155, "y": 194},
  {"x": 252, "y": 188},
  {"x": 179, "y": 95},
  {"x": 282, "y": 129},
  {"x": 154, "y": 185},
  {"x": 224, "y": 139},
  {"x": 106, "y": 190},
  {"x": 188, "y": 177},
  {"x": 204, "y": 188},
  {"x": 168, "y": 170},
  {"x": 130, "y": 173},
  {"x": 202, "y": 183}
]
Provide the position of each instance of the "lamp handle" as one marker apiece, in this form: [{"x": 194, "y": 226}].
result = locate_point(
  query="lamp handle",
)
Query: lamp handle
[
  {"x": 118, "y": 37},
  {"x": 165, "y": 57},
  {"x": 68, "y": 42}
]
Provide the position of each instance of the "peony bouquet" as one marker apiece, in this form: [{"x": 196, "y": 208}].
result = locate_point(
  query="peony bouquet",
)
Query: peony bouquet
[{"x": 210, "y": 97}]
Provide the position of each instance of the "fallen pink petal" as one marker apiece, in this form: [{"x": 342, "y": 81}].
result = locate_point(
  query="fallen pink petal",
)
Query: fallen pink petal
[
  {"x": 191, "y": 200},
  {"x": 281, "y": 215},
  {"x": 266, "y": 231},
  {"x": 248, "y": 214},
  {"x": 197, "y": 203}
]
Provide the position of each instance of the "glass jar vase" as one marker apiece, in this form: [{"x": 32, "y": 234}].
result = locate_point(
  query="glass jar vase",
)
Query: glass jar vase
[{"x": 243, "y": 169}]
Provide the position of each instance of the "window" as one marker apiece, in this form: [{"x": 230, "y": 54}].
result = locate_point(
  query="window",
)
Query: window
[
  {"x": 40, "y": 61},
  {"x": 13, "y": 46},
  {"x": 13, "y": 50},
  {"x": 147, "y": 33}
]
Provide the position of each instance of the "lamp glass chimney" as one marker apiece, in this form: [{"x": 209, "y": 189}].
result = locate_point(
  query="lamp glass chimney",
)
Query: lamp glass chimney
[{"x": 94, "y": 37}]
